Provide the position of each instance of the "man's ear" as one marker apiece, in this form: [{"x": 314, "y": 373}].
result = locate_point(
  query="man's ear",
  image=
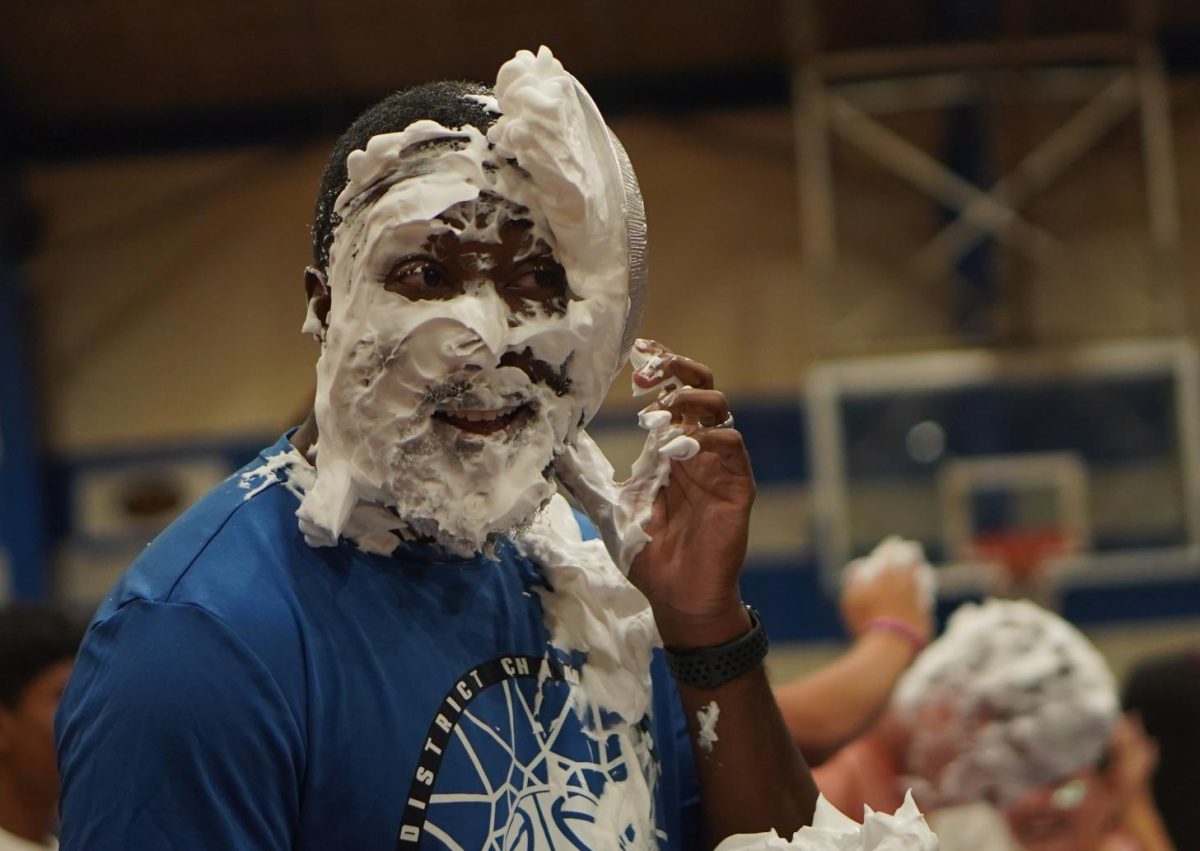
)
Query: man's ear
[{"x": 318, "y": 302}]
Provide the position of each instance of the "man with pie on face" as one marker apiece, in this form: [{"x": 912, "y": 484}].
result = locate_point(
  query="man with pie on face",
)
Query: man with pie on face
[{"x": 391, "y": 630}]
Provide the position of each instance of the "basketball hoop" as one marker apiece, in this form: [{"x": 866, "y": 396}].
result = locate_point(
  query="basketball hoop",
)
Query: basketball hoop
[{"x": 1023, "y": 554}]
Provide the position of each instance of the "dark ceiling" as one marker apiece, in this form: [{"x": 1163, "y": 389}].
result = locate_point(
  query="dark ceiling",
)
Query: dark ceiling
[{"x": 114, "y": 75}]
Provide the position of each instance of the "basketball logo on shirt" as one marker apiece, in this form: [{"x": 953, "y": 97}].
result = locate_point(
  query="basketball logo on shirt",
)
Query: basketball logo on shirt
[{"x": 507, "y": 765}]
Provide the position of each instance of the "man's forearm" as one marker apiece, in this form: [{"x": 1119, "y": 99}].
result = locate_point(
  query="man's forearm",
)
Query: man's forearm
[{"x": 753, "y": 778}]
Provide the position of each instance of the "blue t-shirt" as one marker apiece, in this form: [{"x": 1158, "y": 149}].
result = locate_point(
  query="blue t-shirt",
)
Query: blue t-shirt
[{"x": 239, "y": 689}]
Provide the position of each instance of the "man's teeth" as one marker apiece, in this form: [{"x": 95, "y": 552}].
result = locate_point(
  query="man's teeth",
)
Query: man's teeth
[{"x": 483, "y": 416}]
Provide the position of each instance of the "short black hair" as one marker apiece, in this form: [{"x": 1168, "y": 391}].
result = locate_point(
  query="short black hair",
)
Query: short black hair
[
  {"x": 32, "y": 639},
  {"x": 445, "y": 102}
]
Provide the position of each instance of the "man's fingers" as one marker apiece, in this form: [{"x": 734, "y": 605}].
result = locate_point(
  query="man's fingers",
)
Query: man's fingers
[
  {"x": 689, "y": 372},
  {"x": 726, "y": 444},
  {"x": 692, "y": 406},
  {"x": 661, "y": 366}
]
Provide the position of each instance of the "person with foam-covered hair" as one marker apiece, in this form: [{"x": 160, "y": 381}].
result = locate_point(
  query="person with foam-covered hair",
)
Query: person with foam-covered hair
[
  {"x": 1009, "y": 698},
  {"x": 391, "y": 631},
  {"x": 1011, "y": 711}
]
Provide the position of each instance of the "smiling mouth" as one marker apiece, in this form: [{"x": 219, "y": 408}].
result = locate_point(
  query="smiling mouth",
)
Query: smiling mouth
[{"x": 486, "y": 421}]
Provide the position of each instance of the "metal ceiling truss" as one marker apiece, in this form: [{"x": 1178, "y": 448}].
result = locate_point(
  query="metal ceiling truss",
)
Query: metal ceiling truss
[{"x": 1113, "y": 76}]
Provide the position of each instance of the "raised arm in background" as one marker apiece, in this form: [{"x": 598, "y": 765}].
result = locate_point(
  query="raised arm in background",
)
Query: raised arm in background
[{"x": 886, "y": 607}]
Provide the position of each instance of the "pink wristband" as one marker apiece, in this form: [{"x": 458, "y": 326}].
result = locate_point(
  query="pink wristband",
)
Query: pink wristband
[{"x": 918, "y": 641}]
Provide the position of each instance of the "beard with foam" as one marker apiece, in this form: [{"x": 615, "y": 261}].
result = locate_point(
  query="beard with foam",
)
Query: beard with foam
[{"x": 459, "y": 489}]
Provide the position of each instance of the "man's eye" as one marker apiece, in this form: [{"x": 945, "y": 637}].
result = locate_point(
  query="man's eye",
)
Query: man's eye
[
  {"x": 541, "y": 280},
  {"x": 418, "y": 278}
]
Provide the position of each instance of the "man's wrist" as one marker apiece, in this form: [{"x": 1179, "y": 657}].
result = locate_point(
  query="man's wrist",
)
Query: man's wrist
[{"x": 684, "y": 631}]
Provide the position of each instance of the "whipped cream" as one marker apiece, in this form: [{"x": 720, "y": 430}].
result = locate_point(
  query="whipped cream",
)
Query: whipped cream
[
  {"x": 1009, "y": 698},
  {"x": 904, "y": 830}
]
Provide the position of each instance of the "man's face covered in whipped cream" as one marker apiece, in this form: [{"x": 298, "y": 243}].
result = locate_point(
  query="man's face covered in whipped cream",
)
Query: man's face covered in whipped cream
[{"x": 464, "y": 342}]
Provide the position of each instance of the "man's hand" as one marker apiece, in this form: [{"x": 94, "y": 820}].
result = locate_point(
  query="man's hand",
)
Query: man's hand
[
  {"x": 752, "y": 778},
  {"x": 890, "y": 584},
  {"x": 699, "y": 525}
]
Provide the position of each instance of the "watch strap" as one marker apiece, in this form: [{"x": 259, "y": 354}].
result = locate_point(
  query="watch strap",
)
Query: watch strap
[{"x": 709, "y": 667}]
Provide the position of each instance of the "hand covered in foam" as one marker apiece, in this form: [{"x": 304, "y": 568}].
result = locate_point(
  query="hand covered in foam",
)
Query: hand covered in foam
[
  {"x": 893, "y": 583},
  {"x": 906, "y": 830},
  {"x": 621, "y": 510},
  {"x": 699, "y": 524},
  {"x": 679, "y": 524}
]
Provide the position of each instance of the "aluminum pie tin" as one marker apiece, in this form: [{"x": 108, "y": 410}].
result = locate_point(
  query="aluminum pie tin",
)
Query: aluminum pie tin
[{"x": 619, "y": 172}]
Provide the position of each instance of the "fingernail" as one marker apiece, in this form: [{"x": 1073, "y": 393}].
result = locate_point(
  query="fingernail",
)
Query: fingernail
[
  {"x": 651, "y": 420},
  {"x": 681, "y": 448},
  {"x": 651, "y": 370}
]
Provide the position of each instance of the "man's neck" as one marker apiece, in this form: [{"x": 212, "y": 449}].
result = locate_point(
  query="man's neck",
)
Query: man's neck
[{"x": 306, "y": 435}]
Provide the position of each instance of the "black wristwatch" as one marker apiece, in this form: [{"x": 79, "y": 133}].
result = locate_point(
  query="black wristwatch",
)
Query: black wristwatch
[{"x": 709, "y": 667}]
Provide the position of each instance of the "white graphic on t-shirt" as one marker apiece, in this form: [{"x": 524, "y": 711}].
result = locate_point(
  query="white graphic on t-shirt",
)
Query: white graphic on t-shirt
[{"x": 512, "y": 773}]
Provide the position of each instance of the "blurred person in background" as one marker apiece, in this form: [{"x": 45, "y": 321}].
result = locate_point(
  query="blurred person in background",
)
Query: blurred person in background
[
  {"x": 1164, "y": 692},
  {"x": 1007, "y": 728},
  {"x": 887, "y": 608},
  {"x": 1107, "y": 806},
  {"x": 37, "y": 650}
]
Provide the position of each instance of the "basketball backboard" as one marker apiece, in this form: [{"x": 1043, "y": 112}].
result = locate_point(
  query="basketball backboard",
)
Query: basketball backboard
[{"x": 1090, "y": 453}]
